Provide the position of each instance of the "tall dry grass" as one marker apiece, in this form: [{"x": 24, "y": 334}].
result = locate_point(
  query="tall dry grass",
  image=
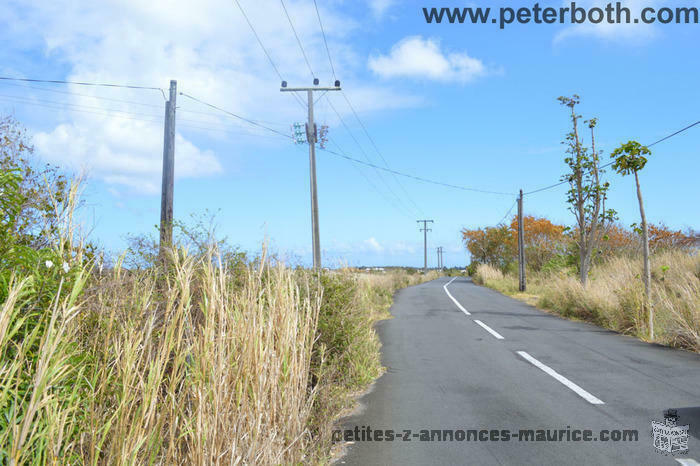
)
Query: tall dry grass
[
  {"x": 614, "y": 295},
  {"x": 200, "y": 365},
  {"x": 207, "y": 361},
  {"x": 493, "y": 277},
  {"x": 191, "y": 369},
  {"x": 145, "y": 368}
]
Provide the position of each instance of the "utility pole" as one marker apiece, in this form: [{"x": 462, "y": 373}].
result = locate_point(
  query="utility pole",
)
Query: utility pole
[
  {"x": 521, "y": 244},
  {"x": 439, "y": 258},
  {"x": 168, "y": 187},
  {"x": 425, "y": 231},
  {"x": 311, "y": 137}
]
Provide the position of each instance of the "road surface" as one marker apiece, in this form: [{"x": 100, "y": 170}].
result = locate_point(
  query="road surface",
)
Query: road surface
[{"x": 463, "y": 358}]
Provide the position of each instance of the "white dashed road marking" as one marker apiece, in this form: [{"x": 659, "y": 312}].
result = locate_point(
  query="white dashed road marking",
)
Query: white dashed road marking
[
  {"x": 548, "y": 370},
  {"x": 489, "y": 329}
]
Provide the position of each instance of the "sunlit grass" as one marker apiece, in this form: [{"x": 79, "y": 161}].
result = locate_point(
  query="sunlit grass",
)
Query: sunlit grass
[{"x": 614, "y": 295}]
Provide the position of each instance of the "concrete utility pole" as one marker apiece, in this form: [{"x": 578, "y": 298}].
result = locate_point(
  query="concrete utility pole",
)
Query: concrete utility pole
[
  {"x": 521, "y": 244},
  {"x": 425, "y": 231},
  {"x": 439, "y": 258},
  {"x": 166, "y": 198},
  {"x": 311, "y": 137}
]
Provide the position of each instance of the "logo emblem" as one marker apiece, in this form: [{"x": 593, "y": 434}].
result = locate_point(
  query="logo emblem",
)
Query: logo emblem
[{"x": 669, "y": 437}]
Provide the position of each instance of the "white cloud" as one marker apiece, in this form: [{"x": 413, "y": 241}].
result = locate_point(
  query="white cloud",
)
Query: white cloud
[
  {"x": 628, "y": 33},
  {"x": 207, "y": 46},
  {"x": 373, "y": 245},
  {"x": 127, "y": 153},
  {"x": 402, "y": 248},
  {"x": 379, "y": 7},
  {"x": 416, "y": 57}
]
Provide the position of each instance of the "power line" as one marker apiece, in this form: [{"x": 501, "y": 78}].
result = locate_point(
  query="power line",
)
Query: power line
[
  {"x": 320, "y": 97},
  {"x": 373, "y": 185},
  {"x": 131, "y": 102},
  {"x": 352, "y": 135},
  {"x": 330, "y": 61},
  {"x": 674, "y": 134},
  {"x": 364, "y": 128},
  {"x": 267, "y": 54},
  {"x": 31, "y": 100},
  {"x": 345, "y": 156},
  {"x": 89, "y": 107},
  {"x": 121, "y": 114},
  {"x": 303, "y": 52},
  {"x": 371, "y": 139},
  {"x": 247, "y": 120},
  {"x": 57, "y": 91},
  {"x": 610, "y": 163},
  {"x": 417, "y": 178},
  {"x": 255, "y": 33},
  {"x": 662, "y": 139},
  {"x": 546, "y": 188},
  {"x": 78, "y": 110},
  {"x": 323, "y": 33},
  {"x": 78, "y": 83},
  {"x": 507, "y": 213}
]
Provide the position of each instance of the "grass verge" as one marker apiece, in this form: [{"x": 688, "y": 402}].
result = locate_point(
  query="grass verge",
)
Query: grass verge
[{"x": 614, "y": 295}]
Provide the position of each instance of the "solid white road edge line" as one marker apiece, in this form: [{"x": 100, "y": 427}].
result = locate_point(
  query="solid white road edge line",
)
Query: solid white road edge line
[
  {"x": 578, "y": 390},
  {"x": 489, "y": 329},
  {"x": 444, "y": 287}
]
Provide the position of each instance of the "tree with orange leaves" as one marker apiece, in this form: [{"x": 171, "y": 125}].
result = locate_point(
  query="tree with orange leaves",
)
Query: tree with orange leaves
[
  {"x": 543, "y": 239},
  {"x": 498, "y": 245},
  {"x": 490, "y": 245}
]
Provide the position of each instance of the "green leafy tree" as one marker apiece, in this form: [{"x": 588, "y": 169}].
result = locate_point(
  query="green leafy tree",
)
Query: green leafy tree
[
  {"x": 630, "y": 158},
  {"x": 587, "y": 193},
  {"x": 40, "y": 199}
]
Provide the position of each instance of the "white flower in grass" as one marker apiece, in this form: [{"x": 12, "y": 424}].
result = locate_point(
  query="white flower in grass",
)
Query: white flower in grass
[
  {"x": 48, "y": 264},
  {"x": 66, "y": 267}
]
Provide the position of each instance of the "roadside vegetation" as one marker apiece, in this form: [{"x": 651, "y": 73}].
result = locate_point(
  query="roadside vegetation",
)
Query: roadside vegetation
[
  {"x": 642, "y": 280},
  {"x": 205, "y": 356}
]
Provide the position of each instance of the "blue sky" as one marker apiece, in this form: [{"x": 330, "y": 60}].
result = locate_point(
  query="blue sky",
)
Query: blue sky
[{"x": 469, "y": 105}]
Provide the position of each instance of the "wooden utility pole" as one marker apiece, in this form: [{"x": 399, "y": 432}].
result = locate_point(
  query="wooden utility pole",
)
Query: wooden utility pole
[
  {"x": 425, "y": 231},
  {"x": 311, "y": 137},
  {"x": 521, "y": 244},
  {"x": 166, "y": 198}
]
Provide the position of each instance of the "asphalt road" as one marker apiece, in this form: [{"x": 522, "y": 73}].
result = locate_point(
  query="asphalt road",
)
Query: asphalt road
[{"x": 481, "y": 361}]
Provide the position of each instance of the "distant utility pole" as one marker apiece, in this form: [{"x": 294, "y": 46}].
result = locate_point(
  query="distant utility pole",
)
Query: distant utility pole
[
  {"x": 521, "y": 244},
  {"x": 166, "y": 198},
  {"x": 439, "y": 257},
  {"x": 311, "y": 137},
  {"x": 425, "y": 231}
]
